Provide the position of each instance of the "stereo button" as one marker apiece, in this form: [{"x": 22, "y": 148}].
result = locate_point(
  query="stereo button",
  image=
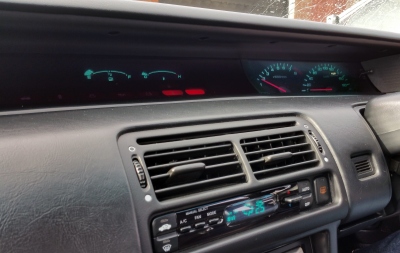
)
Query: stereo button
[
  {"x": 213, "y": 221},
  {"x": 164, "y": 224},
  {"x": 304, "y": 186},
  {"x": 306, "y": 201},
  {"x": 185, "y": 229},
  {"x": 166, "y": 243},
  {"x": 200, "y": 225}
]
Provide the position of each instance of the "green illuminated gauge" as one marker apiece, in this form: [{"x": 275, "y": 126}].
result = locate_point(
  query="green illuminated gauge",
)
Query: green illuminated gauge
[
  {"x": 161, "y": 75},
  {"x": 278, "y": 78},
  {"x": 326, "y": 77},
  {"x": 106, "y": 75}
]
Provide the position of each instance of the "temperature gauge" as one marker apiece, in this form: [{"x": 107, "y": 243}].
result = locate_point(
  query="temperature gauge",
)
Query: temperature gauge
[{"x": 162, "y": 75}]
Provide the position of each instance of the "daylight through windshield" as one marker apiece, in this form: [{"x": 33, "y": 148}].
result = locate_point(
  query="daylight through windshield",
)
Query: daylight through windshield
[{"x": 373, "y": 14}]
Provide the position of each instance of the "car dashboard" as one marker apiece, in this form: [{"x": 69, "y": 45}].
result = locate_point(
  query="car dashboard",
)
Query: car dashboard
[{"x": 140, "y": 127}]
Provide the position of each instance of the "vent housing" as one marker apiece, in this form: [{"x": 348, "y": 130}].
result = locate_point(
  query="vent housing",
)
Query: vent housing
[
  {"x": 220, "y": 168},
  {"x": 363, "y": 166},
  {"x": 278, "y": 154}
]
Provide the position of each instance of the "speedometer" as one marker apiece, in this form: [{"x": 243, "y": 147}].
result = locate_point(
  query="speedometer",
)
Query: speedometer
[
  {"x": 277, "y": 78},
  {"x": 326, "y": 77}
]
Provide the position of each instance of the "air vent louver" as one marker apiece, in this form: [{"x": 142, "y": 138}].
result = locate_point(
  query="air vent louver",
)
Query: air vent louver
[
  {"x": 363, "y": 166},
  {"x": 182, "y": 171},
  {"x": 214, "y": 132},
  {"x": 278, "y": 154}
]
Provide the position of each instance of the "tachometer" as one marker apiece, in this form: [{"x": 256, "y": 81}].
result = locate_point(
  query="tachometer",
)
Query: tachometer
[
  {"x": 326, "y": 77},
  {"x": 278, "y": 78}
]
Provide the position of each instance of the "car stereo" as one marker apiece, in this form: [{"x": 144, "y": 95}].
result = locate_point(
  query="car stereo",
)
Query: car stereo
[{"x": 186, "y": 228}]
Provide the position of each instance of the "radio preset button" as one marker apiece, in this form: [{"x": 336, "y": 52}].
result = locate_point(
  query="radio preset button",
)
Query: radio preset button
[
  {"x": 213, "y": 221},
  {"x": 200, "y": 225},
  {"x": 164, "y": 224}
]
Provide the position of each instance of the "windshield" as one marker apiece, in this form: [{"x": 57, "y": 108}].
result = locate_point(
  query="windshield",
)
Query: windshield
[{"x": 381, "y": 15}]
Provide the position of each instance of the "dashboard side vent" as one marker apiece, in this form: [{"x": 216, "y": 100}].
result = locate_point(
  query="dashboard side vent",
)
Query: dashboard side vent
[
  {"x": 278, "y": 154},
  {"x": 187, "y": 170},
  {"x": 362, "y": 165}
]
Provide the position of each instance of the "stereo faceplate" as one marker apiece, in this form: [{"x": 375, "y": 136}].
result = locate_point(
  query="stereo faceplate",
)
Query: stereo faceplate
[{"x": 195, "y": 225}]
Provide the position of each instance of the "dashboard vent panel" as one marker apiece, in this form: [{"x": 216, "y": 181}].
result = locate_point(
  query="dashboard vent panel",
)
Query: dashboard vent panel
[
  {"x": 279, "y": 154},
  {"x": 198, "y": 168},
  {"x": 363, "y": 166}
]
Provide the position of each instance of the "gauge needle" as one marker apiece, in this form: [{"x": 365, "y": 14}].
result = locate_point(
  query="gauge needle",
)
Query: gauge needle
[
  {"x": 273, "y": 85},
  {"x": 321, "y": 89}
]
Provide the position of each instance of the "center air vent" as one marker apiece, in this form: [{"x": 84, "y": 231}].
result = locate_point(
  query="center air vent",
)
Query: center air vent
[
  {"x": 278, "y": 154},
  {"x": 182, "y": 171}
]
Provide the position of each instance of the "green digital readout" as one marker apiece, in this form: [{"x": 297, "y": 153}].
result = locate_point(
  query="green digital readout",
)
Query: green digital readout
[{"x": 249, "y": 209}]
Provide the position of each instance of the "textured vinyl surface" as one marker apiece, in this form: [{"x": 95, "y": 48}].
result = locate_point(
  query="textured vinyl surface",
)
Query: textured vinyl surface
[
  {"x": 63, "y": 187},
  {"x": 62, "y": 190}
]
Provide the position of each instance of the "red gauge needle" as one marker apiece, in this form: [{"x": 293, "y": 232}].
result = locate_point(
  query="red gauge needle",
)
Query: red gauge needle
[
  {"x": 273, "y": 85},
  {"x": 322, "y": 89}
]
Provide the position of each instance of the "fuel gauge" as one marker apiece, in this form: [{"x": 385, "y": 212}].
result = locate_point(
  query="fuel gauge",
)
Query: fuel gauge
[{"x": 106, "y": 75}]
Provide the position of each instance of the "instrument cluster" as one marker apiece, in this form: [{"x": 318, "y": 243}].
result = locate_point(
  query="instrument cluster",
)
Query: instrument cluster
[{"x": 288, "y": 78}]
